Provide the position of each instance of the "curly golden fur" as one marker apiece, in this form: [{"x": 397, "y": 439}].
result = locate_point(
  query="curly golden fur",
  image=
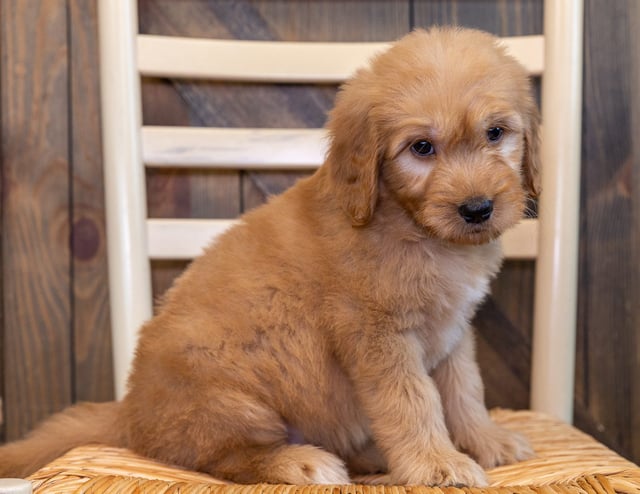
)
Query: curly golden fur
[{"x": 328, "y": 334}]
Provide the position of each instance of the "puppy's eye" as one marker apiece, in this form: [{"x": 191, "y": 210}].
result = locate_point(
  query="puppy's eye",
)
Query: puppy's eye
[
  {"x": 423, "y": 148},
  {"x": 494, "y": 134}
]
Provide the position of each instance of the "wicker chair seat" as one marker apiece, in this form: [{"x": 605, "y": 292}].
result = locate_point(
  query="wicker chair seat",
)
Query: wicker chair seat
[{"x": 567, "y": 461}]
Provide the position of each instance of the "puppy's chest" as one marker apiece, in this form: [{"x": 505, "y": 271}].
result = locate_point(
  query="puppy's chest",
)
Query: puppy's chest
[
  {"x": 436, "y": 301},
  {"x": 445, "y": 283}
]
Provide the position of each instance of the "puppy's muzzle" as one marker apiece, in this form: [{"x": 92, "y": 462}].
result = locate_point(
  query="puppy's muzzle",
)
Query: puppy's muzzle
[{"x": 477, "y": 210}]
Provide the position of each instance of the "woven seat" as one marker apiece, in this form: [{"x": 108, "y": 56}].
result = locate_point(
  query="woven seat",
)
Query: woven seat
[{"x": 567, "y": 461}]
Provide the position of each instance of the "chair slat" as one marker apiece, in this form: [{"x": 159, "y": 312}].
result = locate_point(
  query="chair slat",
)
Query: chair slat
[
  {"x": 186, "y": 238},
  {"x": 233, "y": 148},
  {"x": 528, "y": 50},
  {"x": 280, "y": 61},
  {"x": 521, "y": 242},
  {"x": 257, "y": 61},
  {"x": 182, "y": 238}
]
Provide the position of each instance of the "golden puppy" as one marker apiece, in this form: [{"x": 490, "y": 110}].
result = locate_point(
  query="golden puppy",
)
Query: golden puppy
[{"x": 328, "y": 334}]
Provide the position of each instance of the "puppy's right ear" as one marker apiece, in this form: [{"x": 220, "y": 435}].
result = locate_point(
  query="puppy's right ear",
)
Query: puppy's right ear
[
  {"x": 531, "y": 158},
  {"x": 354, "y": 152}
]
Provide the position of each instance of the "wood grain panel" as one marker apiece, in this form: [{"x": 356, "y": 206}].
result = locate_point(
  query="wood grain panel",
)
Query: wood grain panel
[
  {"x": 257, "y": 187},
  {"x": 501, "y": 17},
  {"x": 163, "y": 274},
  {"x": 93, "y": 378},
  {"x": 196, "y": 18},
  {"x": 634, "y": 65},
  {"x": 328, "y": 20},
  {"x": 512, "y": 392},
  {"x": 35, "y": 264},
  {"x": 608, "y": 355}
]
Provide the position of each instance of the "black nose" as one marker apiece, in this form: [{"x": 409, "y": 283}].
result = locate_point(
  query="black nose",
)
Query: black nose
[{"x": 476, "y": 210}]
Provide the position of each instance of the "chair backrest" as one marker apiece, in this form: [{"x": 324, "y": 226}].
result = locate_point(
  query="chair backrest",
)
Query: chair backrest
[{"x": 133, "y": 239}]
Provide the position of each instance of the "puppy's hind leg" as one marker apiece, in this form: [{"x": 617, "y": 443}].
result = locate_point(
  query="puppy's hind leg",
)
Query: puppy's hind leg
[
  {"x": 300, "y": 464},
  {"x": 233, "y": 435}
]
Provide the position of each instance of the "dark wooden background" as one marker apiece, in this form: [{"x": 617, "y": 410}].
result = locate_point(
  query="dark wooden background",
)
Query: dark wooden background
[{"x": 54, "y": 320}]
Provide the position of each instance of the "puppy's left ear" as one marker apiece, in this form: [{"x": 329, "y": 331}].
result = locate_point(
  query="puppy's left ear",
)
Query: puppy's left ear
[
  {"x": 531, "y": 158},
  {"x": 354, "y": 152}
]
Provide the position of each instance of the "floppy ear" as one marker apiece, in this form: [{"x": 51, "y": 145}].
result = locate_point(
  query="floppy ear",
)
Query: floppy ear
[
  {"x": 354, "y": 154},
  {"x": 531, "y": 157}
]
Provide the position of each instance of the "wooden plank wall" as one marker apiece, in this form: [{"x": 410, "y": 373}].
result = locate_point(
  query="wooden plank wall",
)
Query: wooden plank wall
[
  {"x": 54, "y": 317},
  {"x": 609, "y": 305},
  {"x": 35, "y": 210}
]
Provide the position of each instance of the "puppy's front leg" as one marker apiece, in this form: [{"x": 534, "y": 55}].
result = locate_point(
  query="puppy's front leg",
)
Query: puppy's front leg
[
  {"x": 405, "y": 413},
  {"x": 460, "y": 385}
]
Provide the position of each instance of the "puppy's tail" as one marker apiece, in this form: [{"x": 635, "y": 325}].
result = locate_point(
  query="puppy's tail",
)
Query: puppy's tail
[{"x": 78, "y": 425}]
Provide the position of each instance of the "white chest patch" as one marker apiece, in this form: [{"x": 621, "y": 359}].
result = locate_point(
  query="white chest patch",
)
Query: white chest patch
[
  {"x": 475, "y": 292},
  {"x": 465, "y": 293}
]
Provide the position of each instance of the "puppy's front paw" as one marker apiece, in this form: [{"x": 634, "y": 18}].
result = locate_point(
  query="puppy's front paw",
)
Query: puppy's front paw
[
  {"x": 450, "y": 468},
  {"x": 493, "y": 446}
]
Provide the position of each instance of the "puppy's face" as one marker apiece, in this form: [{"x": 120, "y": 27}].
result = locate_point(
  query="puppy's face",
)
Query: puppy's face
[{"x": 447, "y": 127}]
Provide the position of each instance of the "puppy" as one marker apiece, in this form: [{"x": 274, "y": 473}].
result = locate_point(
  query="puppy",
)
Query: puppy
[{"x": 328, "y": 334}]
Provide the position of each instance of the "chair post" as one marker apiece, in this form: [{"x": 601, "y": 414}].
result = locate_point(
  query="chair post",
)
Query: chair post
[
  {"x": 129, "y": 272},
  {"x": 553, "y": 361}
]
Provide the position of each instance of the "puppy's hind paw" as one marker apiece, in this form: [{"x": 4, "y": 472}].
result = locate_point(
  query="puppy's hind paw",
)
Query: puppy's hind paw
[{"x": 305, "y": 464}]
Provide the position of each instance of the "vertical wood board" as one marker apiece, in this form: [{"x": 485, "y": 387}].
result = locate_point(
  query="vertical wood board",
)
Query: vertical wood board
[
  {"x": 608, "y": 302},
  {"x": 501, "y": 17},
  {"x": 93, "y": 376},
  {"x": 35, "y": 209},
  {"x": 634, "y": 296}
]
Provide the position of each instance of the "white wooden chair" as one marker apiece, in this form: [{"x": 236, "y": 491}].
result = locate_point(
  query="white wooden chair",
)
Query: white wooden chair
[
  {"x": 133, "y": 239},
  {"x": 567, "y": 456}
]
